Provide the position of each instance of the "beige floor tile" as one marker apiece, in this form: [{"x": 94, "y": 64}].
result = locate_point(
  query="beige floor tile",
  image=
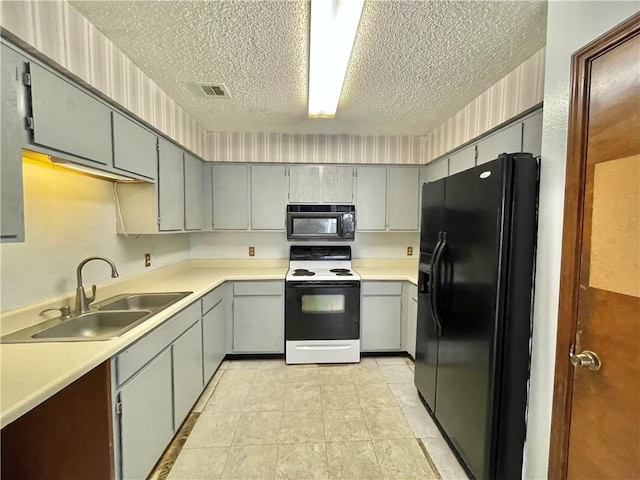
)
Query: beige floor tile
[
  {"x": 367, "y": 362},
  {"x": 387, "y": 423},
  {"x": 242, "y": 364},
  {"x": 335, "y": 375},
  {"x": 199, "y": 463},
  {"x": 376, "y": 395},
  {"x": 302, "y": 461},
  {"x": 270, "y": 376},
  {"x": 302, "y": 397},
  {"x": 421, "y": 422},
  {"x": 366, "y": 374},
  {"x": 203, "y": 399},
  {"x": 213, "y": 430},
  {"x": 345, "y": 425},
  {"x": 233, "y": 377},
  {"x": 302, "y": 376},
  {"x": 258, "y": 428},
  {"x": 270, "y": 363},
  {"x": 397, "y": 373},
  {"x": 251, "y": 462},
  {"x": 227, "y": 398},
  {"x": 444, "y": 459},
  {"x": 355, "y": 471},
  {"x": 402, "y": 459},
  {"x": 339, "y": 397},
  {"x": 390, "y": 360},
  {"x": 343, "y": 453},
  {"x": 263, "y": 398},
  {"x": 302, "y": 426},
  {"x": 224, "y": 365},
  {"x": 406, "y": 394},
  {"x": 411, "y": 364}
]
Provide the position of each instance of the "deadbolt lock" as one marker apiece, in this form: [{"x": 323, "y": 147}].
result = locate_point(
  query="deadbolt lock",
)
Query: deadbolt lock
[{"x": 587, "y": 359}]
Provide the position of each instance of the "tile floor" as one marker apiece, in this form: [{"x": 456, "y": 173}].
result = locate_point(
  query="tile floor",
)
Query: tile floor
[{"x": 262, "y": 419}]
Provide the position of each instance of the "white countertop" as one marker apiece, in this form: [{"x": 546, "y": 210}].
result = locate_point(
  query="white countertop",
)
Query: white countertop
[{"x": 33, "y": 372}]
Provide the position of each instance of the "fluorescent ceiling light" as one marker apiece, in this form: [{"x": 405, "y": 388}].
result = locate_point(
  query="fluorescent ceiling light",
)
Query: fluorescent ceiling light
[{"x": 334, "y": 24}]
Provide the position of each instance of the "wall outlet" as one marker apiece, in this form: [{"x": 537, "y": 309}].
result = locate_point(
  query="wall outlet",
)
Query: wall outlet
[
  {"x": 252, "y": 251},
  {"x": 409, "y": 251},
  {"x": 147, "y": 259}
]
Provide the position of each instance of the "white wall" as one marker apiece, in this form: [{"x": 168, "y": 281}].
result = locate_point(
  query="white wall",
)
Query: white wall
[
  {"x": 570, "y": 25},
  {"x": 69, "y": 217},
  {"x": 275, "y": 245}
]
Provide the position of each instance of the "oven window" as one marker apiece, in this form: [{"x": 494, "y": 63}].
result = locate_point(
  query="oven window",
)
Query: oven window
[
  {"x": 311, "y": 226},
  {"x": 323, "y": 303}
]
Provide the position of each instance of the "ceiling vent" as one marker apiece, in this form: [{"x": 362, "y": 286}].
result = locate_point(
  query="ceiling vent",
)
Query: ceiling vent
[{"x": 213, "y": 90}]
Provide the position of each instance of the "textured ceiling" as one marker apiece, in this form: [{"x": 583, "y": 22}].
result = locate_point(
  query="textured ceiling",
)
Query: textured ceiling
[{"x": 414, "y": 63}]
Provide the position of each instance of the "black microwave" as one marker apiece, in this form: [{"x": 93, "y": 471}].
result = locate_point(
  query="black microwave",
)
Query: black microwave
[{"x": 321, "y": 222}]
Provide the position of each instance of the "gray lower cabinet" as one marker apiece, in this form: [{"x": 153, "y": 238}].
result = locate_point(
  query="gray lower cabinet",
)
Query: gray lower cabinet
[
  {"x": 381, "y": 316},
  {"x": 187, "y": 368},
  {"x": 170, "y": 186},
  {"x": 193, "y": 197},
  {"x": 230, "y": 186},
  {"x": 412, "y": 320},
  {"x": 135, "y": 149},
  {"x": 213, "y": 339},
  {"x": 371, "y": 198},
  {"x": 12, "y": 140},
  {"x": 402, "y": 198},
  {"x": 268, "y": 197},
  {"x": 258, "y": 317},
  {"x": 146, "y": 422},
  {"x": 68, "y": 119}
]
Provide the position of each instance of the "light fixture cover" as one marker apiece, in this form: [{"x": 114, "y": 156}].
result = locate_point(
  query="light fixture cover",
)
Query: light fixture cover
[{"x": 334, "y": 24}]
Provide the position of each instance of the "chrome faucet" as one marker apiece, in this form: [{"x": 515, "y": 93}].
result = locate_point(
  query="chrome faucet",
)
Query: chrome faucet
[{"x": 82, "y": 301}]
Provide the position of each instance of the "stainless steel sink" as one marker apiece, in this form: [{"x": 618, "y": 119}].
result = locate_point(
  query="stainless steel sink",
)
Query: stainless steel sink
[
  {"x": 95, "y": 325},
  {"x": 142, "y": 301},
  {"x": 109, "y": 319}
]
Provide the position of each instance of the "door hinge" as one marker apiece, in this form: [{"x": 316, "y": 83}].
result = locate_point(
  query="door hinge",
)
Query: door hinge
[
  {"x": 30, "y": 123},
  {"x": 26, "y": 79},
  {"x": 119, "y": 408},
  {"x": 158, "y": 221},
  {"x": 475, "y": 147}
]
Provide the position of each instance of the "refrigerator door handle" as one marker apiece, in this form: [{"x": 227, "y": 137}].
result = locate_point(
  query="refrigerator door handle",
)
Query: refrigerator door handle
[
  {"x": 432, "y": 297},
  {"x": 435, "y": 278}
]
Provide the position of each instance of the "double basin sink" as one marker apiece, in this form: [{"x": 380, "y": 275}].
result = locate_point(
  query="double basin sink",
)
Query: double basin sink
[{"x": 106, "y": 320}]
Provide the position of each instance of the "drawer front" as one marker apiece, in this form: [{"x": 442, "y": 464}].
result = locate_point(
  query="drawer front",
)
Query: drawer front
[
  {"x": 381, "y": 288},
  {"x": 211, "y": 299},
  {"x": 140, "y": 353},
  {"x": 258, "y": 288}
]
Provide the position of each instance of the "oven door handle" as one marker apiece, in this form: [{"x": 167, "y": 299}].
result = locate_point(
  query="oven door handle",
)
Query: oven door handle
[{"x": 311, "y": 284}]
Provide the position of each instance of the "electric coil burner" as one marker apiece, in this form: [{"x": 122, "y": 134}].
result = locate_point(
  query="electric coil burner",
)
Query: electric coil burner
[{"x": 322, "y": 306}]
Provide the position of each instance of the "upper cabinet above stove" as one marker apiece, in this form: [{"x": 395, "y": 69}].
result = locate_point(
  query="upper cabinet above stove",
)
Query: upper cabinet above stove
[{"x": 321, "y": 184}]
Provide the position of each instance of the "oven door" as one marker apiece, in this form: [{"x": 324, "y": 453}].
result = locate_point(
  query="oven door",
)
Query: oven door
[{"x": 322, "y": 310}]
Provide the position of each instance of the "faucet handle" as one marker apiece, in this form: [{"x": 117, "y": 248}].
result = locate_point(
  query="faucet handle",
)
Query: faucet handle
[
  {"x": 65, "y": 311},
  {"x": 93, "y": 294}
]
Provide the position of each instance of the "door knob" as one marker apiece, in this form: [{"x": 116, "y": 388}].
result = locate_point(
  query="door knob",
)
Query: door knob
[{"x": 587, "y": 359}]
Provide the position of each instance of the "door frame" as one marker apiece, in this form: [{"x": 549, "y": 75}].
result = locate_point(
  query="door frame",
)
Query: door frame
[{"x": 576, "y": 171}]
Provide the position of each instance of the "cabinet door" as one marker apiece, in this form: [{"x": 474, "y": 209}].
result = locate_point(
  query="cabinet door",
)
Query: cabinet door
[
  {"x": 380, "y": 322},
  {"x": 69, "y": 120},
  {"x": 192, "y": 192},
  {"x": 402, "y": 198},
  {"x": 305, "y": 184},
  {"x": 371, "y": 198},
  {"x": 213, "y": 339},
  {"x": 135, "y": 149},
  {"x": 434, "y": 171},
  {"x": 532, "y": 135},
  {"x": 258, "y": 324},
  {"x": 12, "y": 136},
  {"x": 412, "y": 324},
  {"x": 462, "y": 160},
  {"x": 187, "y": 372},
  {"x": 146, "y": 424},
  {"x": 337, "y": 184},
  {"x": 508, "y": 140},
  {"x": 170, "y": 186},
  {"x": 230, "y": 197},
  {"x": 268, "y": 197}
]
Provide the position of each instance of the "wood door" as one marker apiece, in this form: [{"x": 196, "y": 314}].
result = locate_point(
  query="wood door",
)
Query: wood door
[{"x": 596, "y": 416}]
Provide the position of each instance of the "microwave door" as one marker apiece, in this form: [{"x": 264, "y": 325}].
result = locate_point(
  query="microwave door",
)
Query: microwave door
[{"x": 316, "y": 225}]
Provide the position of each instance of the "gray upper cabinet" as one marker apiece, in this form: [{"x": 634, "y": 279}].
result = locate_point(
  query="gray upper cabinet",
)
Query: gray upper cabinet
[
  {"x": 230, "y": 197},
  {"x": 434, "y": 171},
  {"x": 193, "y": 199},
  {"x": 305, "y": 184},
  {"x": 13, "y": 138},
  {"x": 135, "y": 149},
  {"x": 532, "y": 134},
  {"x": 268, "y": 197},
  {"x": 69, "y": 120},
  {"x": 462, "y": 160},
  {"x": 371, "y": 198},
  {"x": 402, "y": 198},
  {"x": 508, "y": 140},
  {"x": 170, "y": 186},
  {"x": 337, "y": 184}
]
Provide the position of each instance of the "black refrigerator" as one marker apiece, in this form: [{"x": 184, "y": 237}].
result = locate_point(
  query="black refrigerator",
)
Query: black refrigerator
[{"x": 475, "y": 282}]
